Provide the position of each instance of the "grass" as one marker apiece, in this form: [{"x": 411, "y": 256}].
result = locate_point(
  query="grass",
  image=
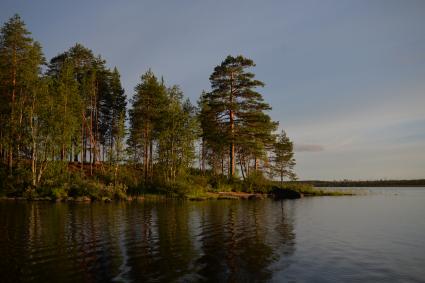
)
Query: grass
[{"x": 309, "y": 190}]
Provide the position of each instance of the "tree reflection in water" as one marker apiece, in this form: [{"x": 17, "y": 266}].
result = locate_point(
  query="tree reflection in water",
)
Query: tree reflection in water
[
  {"x": 242, "y": 239},
  {"x": 228, "y": 241}
]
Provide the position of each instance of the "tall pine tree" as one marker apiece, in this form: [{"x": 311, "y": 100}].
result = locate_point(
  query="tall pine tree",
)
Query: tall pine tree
[
  {"x": 235, "y": 111},
  {"x": 20, "y": 61},
  {"x": 148, "y": 104},
  {"x": 283, "y": 160}
]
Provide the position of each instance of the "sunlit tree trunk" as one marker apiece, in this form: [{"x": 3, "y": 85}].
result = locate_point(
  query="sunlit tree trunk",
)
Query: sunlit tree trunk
[
  {"x": 232, "y": 132},
  {"x": 12, "y": 128}
]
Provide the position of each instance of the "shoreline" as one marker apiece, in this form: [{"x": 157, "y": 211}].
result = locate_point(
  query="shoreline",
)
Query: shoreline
[{"x": 282, "y": 194}]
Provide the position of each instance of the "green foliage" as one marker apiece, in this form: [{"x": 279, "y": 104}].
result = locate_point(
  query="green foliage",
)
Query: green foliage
[
  {"x": 112, "y": 116},
  {"x": 60, "y": 193},
  {"x": 219, "y": 183},
  {"x": 16, "y": 184},
  {"x": 256, "y": 182},
  {"x": 30, "y": 193},
  {"x": 183, "y": 187},
  {"x": 20, "y": 68},
  {"x": 57, "y": 173},
  {"x": 309, "y": 190},
  {"x": 148, "y": 103},
  {"x": 117, "y": 191},
  {"x": 233, "y": 115},
  {"x": 97, "y": 190},
  {"x": 283, "y": 160},
  {"x": 302, "y": 188},
  {"x": 67, "y": 104},
  {"x": 178, "y": 132},
  {"x": 63, "y": 132},
  {"x": 163, "y": 130}
]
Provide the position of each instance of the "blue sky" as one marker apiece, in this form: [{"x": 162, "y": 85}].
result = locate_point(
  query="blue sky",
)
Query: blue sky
[{"x": 346, "y": 79}]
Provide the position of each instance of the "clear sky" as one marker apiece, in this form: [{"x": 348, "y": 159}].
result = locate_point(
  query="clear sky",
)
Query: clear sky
[{"x": 346, "y": 79}]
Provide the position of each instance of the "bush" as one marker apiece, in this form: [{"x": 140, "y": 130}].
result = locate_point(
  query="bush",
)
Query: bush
[
  {"x": 56, "y": 174},
  {"x": 60, "y": 192},
  {"x": 185, "y": 186},
  {"x": 97, "y": 190},
  {"x": 309, "y": 190},
  {"x": 30, "y": 193},
  {"x": 256, "y": 182},
  {"x": 301, "y": 188},
  {"x": 115, "y": 192},
  {"x": 220, "y": 183},
  {"x": 15, "y": 185}
]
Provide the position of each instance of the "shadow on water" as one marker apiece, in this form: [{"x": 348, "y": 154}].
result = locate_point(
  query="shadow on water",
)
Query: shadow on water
[{"x": 230, "y": 241}]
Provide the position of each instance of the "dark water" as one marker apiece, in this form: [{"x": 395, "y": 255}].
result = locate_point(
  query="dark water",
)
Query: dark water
[{"x": 378, "y": 237}]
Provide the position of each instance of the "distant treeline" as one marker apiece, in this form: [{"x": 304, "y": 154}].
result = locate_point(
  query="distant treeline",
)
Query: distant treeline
[{"x": 374, "y": 183}]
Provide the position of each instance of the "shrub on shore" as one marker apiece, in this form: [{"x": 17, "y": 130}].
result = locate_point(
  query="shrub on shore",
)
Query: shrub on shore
[
  {"x": 309, "y": 190},
  {"x": 61, "y": 183}
]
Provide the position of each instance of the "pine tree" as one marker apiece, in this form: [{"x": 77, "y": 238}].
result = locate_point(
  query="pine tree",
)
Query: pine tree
[
  {"x": 235, "y": 111},
  {"x": 112, "y": 109},
  {"x": 44, "y": 128},
  {"x": 68, "y": 105},
  {"x": 148, "y": 104},
  {"x": 178, "y": 131},
  {"x": 20, "y": 60},
  {"x": 117, "y": 152},
  {"x": 213, "y": 145},
  {"x": 102, "y": 99},
  {"x": 283, "y": 160}
]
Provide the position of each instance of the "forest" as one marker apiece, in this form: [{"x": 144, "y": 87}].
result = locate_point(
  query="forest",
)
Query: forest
[{"x": 68, "y": 130}]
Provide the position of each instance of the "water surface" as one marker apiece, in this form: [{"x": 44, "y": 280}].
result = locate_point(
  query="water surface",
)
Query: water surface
[{"x": 375, "y": 237}]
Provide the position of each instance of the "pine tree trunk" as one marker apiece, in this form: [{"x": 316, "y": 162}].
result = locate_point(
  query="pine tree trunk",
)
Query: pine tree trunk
[
  {"x": 145, "y": 154},
  {"x": 75, "y": 150},
  {"x": 20, "y": 126},
  {"x": 232, "y": 133},
  {"x": 10, "y": 160},
  {"x": 150, "y": 160},
  {"x": 203, "y": 157},
  {"x": 241, "y": 166},
  {"x": 33, "y": 164},
  {"x": 91, "y": 137},
  {"x": 71, "y": 153},
  {"x": 232, "y": 160},
  {"x": 96, "y": 114},
  {"x": 1, "y": 146},
  {"x": 82, "y": 143},
  {"x": 111, "y": 146},
  {"x": 62, "y": 152},
  {"x": 12, "y": 128},
  {"x": 63, "y": 126},
  {"x": 33, "y": 150},
  {"x": 85, "y": 144}
]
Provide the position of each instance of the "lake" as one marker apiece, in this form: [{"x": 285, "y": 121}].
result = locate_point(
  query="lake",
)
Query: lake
[{"x": 378, "y": 236}]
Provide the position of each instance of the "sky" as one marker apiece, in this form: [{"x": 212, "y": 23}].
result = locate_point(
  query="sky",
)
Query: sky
[{"x": 345, "y": 79}]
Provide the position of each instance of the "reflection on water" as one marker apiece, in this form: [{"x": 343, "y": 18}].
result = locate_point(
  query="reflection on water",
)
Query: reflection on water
[
  {"x": 378, "y": 237},
  {"x": 233, "y": 241}
]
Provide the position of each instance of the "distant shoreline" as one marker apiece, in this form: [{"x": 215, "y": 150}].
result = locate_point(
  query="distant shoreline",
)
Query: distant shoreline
[{"x": 373, "y": 183}]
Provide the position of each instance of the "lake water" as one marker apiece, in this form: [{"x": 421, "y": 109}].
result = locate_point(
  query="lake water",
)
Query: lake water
[{"x": 375, "y": 237}]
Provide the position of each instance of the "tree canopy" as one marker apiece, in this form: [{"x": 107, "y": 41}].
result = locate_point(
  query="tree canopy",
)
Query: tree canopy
[
  {"x": 71, "y": 120},
  {"x": 234, "y": 115}
]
